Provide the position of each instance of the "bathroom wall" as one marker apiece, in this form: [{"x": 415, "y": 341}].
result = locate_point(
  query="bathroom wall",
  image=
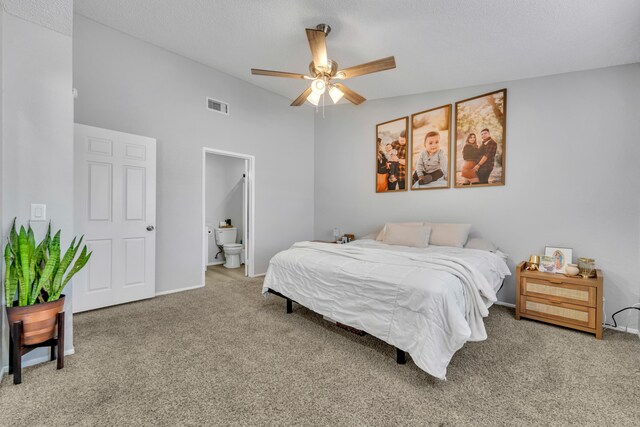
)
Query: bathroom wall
[{"x": 223, "y": 196}]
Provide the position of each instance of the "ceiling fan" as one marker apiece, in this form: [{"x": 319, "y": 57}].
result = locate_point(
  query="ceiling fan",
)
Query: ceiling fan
[{"x": 323, "y": 71}]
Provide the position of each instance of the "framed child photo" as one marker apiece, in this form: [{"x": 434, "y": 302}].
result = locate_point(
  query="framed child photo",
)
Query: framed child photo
[
  {"x": 391, "y": 155},
  {"x": 430, "y": 148},
  {"x": 481, "y": 122}
]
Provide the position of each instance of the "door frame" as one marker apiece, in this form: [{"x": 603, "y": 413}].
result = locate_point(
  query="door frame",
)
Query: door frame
[{"x": 249, "y": 238}]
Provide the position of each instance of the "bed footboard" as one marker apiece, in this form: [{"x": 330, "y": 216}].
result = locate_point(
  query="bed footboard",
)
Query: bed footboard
[{"x": 401, "y": 356}]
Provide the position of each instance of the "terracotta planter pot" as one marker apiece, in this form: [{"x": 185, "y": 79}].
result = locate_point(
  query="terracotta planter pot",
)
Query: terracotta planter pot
[{"x": 38, "y": 320}]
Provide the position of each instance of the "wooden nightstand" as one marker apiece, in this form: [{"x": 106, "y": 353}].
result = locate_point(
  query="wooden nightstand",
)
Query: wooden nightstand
[{"x": 573, "y": 302}]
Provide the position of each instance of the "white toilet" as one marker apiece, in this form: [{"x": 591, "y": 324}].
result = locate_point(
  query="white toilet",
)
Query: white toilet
[{"x": 226, "y": 237}]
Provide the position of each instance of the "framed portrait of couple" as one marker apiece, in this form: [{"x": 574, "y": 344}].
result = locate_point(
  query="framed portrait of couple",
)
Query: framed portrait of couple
[
  {"x": 478, "y": 149},
  {"x": 479, "y": 158}
]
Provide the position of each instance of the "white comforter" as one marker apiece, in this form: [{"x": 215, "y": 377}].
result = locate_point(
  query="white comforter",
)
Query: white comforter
[{"x": 427, "y": 302}]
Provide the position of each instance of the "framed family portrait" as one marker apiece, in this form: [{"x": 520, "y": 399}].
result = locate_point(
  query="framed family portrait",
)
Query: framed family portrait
[
  {"x": 480, "y": 143},
  {"x": 391, "y": 155},
  {"x": 430, "y": 148}
]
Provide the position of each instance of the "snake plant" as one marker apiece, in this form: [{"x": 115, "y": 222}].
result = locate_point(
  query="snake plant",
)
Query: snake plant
[{"x": 36, "y": 273}]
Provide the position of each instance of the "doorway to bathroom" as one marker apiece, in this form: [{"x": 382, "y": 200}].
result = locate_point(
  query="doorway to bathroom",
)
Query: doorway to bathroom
[{"x": 228, "y": 201}]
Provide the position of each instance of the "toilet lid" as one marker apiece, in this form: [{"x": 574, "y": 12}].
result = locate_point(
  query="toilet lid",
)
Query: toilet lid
[{"x": 232, "y": 245}]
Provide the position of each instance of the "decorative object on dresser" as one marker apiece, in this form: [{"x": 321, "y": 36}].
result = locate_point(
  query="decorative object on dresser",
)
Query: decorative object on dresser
[
  {"x": 571, "y": 270},
  {"x": 391, "y": 155},
  {"x": 35, "y": 275},
  {"x": 547, "y": 264},
  {"x": 431, "y": 148},
  {"x": 572, "y": 302},
  {"x": 534, "y": 263},
  {"x": 562, "y": 257},
  {"x": 586, "y": 267},
  {"x": 480, "y": 143}
]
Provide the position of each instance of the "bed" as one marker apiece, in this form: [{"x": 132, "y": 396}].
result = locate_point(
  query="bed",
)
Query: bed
[{"x": 425, "y": 301}]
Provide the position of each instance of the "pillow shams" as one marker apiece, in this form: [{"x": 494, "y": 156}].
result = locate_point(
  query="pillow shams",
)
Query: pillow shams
[
  {"x": 455, "y": 235},
  {"x": 416, "y": 236}
]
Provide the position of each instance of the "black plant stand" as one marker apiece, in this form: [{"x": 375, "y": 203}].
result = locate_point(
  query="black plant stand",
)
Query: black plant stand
[{"x": 17, "y": 349}]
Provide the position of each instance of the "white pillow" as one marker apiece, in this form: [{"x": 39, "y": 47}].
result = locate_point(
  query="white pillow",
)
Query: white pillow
[
  {"x": 482, "y": 244},
  {"x": 455, "y": 235},
  {"x": 416, "y": 236},
  {"x": 380, "y": 237}
]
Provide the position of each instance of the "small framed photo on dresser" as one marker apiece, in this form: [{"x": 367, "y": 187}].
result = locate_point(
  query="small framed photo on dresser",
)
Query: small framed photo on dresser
[{"x": 562, "y": 257}]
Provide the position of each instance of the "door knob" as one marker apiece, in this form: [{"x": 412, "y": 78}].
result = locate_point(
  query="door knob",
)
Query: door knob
[{"x": 150, "y": 227}]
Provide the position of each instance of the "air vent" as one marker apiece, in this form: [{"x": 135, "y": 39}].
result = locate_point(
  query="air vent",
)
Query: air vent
[{"x": 218, "y": 106}]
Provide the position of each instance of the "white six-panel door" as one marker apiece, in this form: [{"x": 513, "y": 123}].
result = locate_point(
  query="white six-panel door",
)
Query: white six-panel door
[{"x": 115, "y": 209}]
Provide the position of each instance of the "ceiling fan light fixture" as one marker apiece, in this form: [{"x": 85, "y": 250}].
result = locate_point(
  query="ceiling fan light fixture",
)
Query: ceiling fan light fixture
[
  {"x": 318, "y": 86},
  {"x": 314, "y": 98},
  {"x": 335, "y": 94}
]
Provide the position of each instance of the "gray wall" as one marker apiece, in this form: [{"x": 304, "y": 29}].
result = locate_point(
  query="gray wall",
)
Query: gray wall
[
  {"x": 572, "y": 159},
  {"x": 37, "y": 130},
  {"x": 128, "y": 85},
  {"x": 224, "y": 190}
]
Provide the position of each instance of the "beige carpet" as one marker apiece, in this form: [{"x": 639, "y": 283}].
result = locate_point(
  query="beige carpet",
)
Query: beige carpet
[{"x": 222, "y": 355}]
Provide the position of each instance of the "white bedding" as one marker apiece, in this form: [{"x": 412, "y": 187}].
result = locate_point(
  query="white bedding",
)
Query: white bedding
[{"x": 426, "y": 301}]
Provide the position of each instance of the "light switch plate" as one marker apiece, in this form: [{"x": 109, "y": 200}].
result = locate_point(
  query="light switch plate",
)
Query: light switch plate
[{"x": 38, "y": 212}]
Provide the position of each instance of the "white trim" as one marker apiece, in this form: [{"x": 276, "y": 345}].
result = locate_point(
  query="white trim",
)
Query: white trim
[
  {"x": 173, "y": 291},
  {"x": 622, "y": 329},
  {"x": 215, "y": 263},
  {"x": 38, "y": 360},
  {"x": 505, "y": 304},
  {"x": 249, "y": 240},
  {"x": 259, "y": 275},
  {"x": 44, "y": 359}
]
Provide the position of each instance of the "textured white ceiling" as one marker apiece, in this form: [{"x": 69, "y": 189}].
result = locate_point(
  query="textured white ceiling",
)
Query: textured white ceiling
[
  {"x": 438, "y": 44},
  {"x": 56, "y": 15}
]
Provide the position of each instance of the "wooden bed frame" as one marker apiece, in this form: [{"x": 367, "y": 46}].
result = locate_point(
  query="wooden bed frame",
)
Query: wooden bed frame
[{"x": 401, "y": 357}]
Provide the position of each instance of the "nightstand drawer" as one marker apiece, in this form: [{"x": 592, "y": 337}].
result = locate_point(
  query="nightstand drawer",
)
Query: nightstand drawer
[
  {"x": 560, "y": 311},
  {"x": 559, "y": 292}
]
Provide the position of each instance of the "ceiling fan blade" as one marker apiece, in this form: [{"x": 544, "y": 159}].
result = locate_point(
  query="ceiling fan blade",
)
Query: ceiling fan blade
[
  {"x": 271, "y": 73},
  {"x": 368, "y": 68},
  {"x": 318, "y": 45},
  {"x": 351, "y": 96},
  {"x": 303, "y": 97}
]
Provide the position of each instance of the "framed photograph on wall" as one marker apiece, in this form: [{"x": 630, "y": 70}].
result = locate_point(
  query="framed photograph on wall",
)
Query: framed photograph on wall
[
  {"x": 431, "y": 148},
  {"x": 391, "y": 155},
  {"x": 561, "y": 257},
  {"x": 479, "y": 158}
]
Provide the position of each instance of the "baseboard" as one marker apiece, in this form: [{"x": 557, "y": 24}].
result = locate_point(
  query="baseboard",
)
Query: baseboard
[
  {"x": 173, "y": 291},
  {"x": 623, "y": 329},
  {"x": 36, "y": 361},
  {"x": 259, "y": 275},
  {"x": 215, "y": 263},
  {"x": 505, "y": 304},
  {"x": 619, "y": 328}
]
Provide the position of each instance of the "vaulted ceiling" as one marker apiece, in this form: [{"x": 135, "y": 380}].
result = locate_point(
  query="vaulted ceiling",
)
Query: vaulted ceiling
[{"x": 438, "y": 44}]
